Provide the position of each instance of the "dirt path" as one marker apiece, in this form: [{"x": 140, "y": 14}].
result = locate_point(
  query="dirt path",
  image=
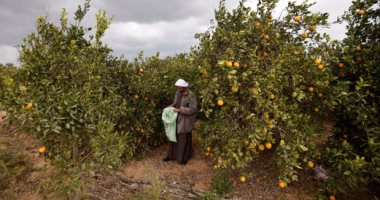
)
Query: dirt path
[
  {"x": 23, "y": 149},
  {"x": 194, "y": 178}
]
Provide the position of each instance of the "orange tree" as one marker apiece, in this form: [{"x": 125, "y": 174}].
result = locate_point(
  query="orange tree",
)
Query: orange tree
[
  {"x": 78, "y": 92},
  {"x": 353, "y": 154},
  {"x": 263, "y": 81}
]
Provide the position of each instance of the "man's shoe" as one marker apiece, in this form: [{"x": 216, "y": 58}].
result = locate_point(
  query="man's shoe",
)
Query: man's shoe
[
  {"x": 166, "y": 159},
  {"x": 183, "y": 163}
]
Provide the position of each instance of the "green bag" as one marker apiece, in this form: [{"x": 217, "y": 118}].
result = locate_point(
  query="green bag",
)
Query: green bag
[{"x": 170, "y": 122}]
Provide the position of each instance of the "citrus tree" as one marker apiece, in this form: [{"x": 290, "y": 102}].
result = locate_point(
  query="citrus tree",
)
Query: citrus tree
[
  {"x": 354, "y": 153},
  {"x": 72, "y": 92},
  {"x": 264, "y": 80}
]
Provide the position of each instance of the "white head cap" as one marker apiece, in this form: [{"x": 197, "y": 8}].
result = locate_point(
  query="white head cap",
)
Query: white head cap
[{"x": 181, "y": 83}]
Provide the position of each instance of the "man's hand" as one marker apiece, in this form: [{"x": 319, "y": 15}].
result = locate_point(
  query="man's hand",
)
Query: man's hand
[{"x": 176, "y": 110}]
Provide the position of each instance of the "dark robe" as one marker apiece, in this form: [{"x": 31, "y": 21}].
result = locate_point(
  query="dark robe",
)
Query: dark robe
[{"x": 187, "y": 104}]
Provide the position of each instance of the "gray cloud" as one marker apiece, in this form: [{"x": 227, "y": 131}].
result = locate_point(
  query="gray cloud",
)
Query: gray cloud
[{"x": 167, "y": 26}]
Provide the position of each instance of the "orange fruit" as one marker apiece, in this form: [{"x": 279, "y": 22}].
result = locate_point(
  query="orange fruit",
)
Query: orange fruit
[
  {"x": 207, "y": 153},
  {"x": 270, "y": 126},
  {"x": 320, "y": 95},
  {"x": 358, "y": 48},
  {"x": 340, "y": 65},
  {"x": 297, "y": 18},
  {"x": 332, "y": 197},
  {"x": 136, "y": 96},
  {"x": 317, "y": 61},
  {"x": 220, "y": 102},
  {"x": 228, "y": 63},
  {"x": 261, "y": 147},
  {"x": 264, "y": 54},
  {"x": 208, "y": 149},
  {"x": 242, "y": 179},
  {"x": 316, "y": 109},
  {"x": 360, "y": 12},
  {"x": 257, "y": 24},
  {"x": 311, "y": 89},
  {"x": 268, "y": 145},
  {"x": 42, "y": 149},
  {"x": 320, "y": 66},
  {"x": 246, "y": 142},
  {"x": 236, "y": 65},
  {"x": 234, "y": 89},
  {"x": 266, "y": 37},
  {"x": 281, "y": 184},
  {"x": 294, "y": 94},
  {"x": 27, "y": 106},
  {"x": 310, "y": 164},
  {"x": 271, "y": 96},
  {"x": 245, "y": 66},
  {"x": 312, "y": 28},
  {"x": 141, "y": 70},
  {"x": 304, "y": 35}
]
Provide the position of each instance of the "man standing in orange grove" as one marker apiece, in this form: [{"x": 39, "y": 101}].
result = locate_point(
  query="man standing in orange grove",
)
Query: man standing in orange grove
[{"x": 185, "y": 103}]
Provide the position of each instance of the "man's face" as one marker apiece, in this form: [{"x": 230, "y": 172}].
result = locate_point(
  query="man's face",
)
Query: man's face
[{"x": 182, "y": 89}]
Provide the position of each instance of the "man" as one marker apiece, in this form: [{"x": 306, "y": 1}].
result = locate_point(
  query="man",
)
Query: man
[{"x": 185, "y": 103}]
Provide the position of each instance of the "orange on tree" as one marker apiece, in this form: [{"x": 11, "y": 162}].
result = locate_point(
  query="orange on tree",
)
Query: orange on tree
[
  {"x": 340, "y": 65},
  {"x": 42, "y": 149},
  {"x": 220, "y": 102},
  {"x": 234, "y": 89},
  {"x": 268, "y": 145},
  {"x": 317, "y": 61},
  {"x": 266, "y": 37},
  {"x": 320, "y": 66},
  {"x": 316, "y": 109},
  {"x": 141, "y": 69},
  {"x": 311, "y": 89},
  {"x": 246, "y": 142},
  {"x": 360, "y": 12},
  {"x": 207, "y": 153},
  {"x": 261, "y": 147},
  {"x": 245, "y": 66},
  {"x": 257, "y": 24},
  {"x": 236, "y": 65},
  {"x": 281, "y": 184},
  {"x": 297, "y": 18},
  {"x": 320, "y": 95},
  {"x": 358, "y": 48},
  {"x": 312, "y": 28},
  {"x": 228, "y": 63},
  {"x": 310, "y": 164},
  {"x": 332, "y": 197},
  {"x": 304, "y": 35},
  {"x": 208, "y": 149},
  {"x": 271, "y": 96},
  {"x": 270, "y": 126}
]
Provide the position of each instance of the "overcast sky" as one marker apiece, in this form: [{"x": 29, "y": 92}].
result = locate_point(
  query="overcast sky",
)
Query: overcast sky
[{"x": 167, "y": 26}]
